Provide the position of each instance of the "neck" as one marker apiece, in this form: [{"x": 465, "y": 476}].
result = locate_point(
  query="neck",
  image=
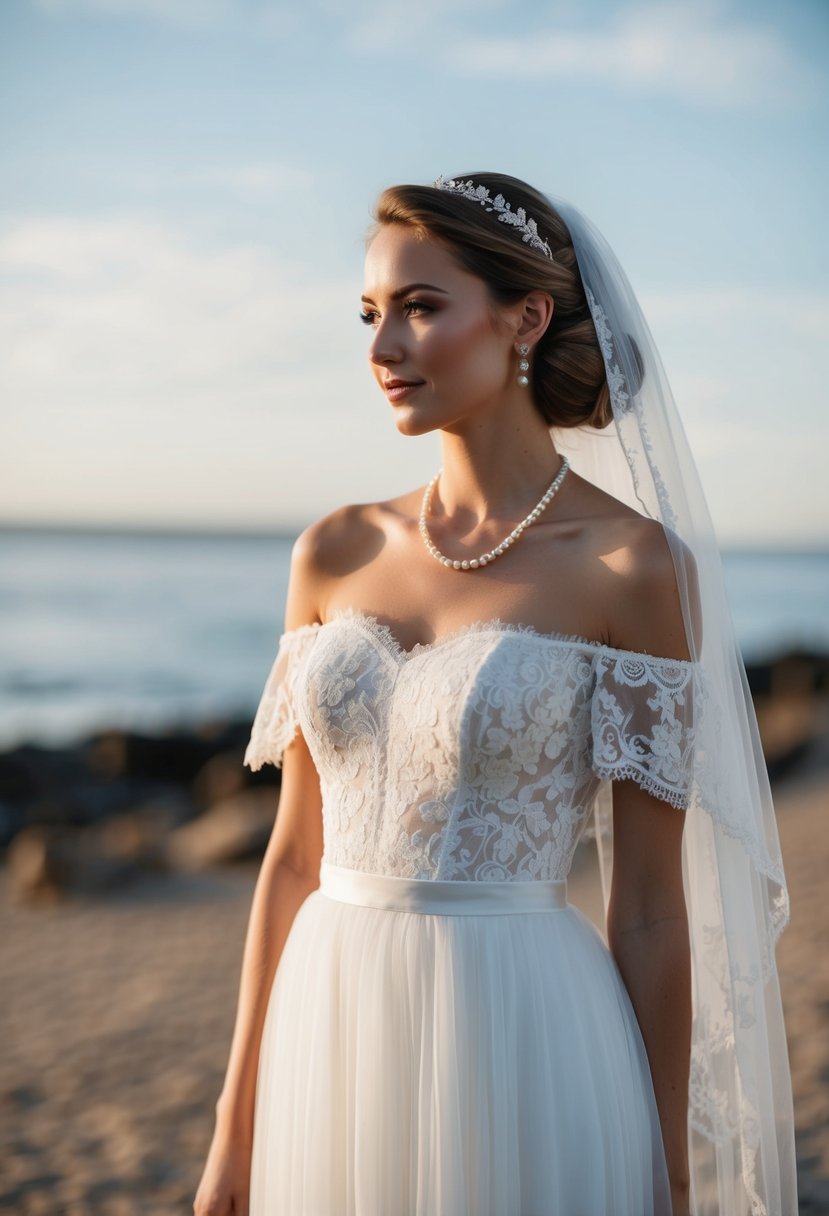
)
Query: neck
[{"x": 494, "y": 473}]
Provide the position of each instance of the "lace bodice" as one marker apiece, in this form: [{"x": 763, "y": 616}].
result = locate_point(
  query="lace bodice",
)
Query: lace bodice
[{"x": 478, "y": 756}]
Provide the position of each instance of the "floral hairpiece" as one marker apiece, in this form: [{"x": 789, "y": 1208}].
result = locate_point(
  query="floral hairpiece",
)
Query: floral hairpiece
[{"x": 480, "y": 194}]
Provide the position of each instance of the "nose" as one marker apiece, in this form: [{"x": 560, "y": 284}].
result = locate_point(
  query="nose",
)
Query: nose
[{"x": 384, "y": 348}]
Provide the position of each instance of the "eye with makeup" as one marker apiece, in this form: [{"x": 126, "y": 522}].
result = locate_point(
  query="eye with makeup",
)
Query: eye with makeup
[{"x": 410, "y": 308}]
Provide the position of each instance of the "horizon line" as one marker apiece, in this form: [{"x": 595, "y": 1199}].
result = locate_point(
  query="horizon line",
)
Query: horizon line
[{"x": 795, "y": 545}]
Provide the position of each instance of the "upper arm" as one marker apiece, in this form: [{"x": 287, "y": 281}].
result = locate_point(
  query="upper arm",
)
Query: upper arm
[
  {"x": 647, "y": 882},
  {"x": 297, "y": 836},
  {"x": 323, "y": 552}
]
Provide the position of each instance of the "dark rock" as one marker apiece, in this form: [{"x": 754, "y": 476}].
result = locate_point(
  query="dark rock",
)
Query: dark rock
[
  {"x": 86, "y": 801},
  {"x": 222, "y": 777},
  {"x": 139, "y": 835},
  {"x": 174, "y": 758},
  {"x": 795, "y": 670},
  {"x": 45, "y": 863},
  {"x": 17, "y": 781},
  {"x": 237, "y": 829}
]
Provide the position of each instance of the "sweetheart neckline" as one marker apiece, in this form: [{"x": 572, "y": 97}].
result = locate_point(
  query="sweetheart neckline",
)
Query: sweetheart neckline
[{"x": 385, "y": 635}]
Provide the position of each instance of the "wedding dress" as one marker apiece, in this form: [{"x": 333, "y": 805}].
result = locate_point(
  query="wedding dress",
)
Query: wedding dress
[{"x": 446, "y": 1035}]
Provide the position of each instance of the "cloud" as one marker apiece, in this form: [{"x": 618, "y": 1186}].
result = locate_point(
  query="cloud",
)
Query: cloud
[
  {"x": 746, "y": 354},
  {"x": 147, "y": 374},
  {"x": 254, "y": 181},
  {"x": 257, "y": 180},
  {"x": 696, "y": 52},
  {"x": 762, "y": 482},
  {"x": 791, "y": 312},
  {"x": 392, "y": 25},
  {"x": 367, "y": 24},
  {"x": 187, "y": 14},
  {"x": 746, "y": 368},
  {"x": 364, "y": 26},
  {"x": 688, "y": 51},
  {"x": 134, "y": 308}
]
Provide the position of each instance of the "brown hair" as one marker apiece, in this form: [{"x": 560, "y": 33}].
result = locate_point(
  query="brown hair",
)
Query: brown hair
[{"x": 568, "y": 379}]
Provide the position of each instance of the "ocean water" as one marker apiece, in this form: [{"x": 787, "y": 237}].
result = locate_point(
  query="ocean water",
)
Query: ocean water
[{"x": 148, "y": 631}]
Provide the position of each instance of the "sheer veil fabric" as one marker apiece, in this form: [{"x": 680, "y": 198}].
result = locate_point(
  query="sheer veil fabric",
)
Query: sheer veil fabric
[{"x": 741, "y": 1128}]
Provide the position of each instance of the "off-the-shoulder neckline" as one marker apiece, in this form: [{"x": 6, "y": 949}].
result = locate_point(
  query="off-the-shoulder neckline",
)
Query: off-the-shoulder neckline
[{"x": 492, "y": 625}]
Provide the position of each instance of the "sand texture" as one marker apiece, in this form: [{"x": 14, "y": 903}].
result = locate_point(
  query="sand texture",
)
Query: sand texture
[{"x": 117, "y": 1013}]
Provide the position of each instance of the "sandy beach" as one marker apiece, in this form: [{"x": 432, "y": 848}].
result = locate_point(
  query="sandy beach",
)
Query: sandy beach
[{"x": 118, "y": 1010}]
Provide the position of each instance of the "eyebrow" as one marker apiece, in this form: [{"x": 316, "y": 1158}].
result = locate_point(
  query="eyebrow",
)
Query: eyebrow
[{"x": 404, "y": 291}]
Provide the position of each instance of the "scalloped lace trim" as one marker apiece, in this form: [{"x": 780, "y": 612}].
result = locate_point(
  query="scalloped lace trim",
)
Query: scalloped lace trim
[
  {"x": 268, "y": 749},
  {"x": 493, "y": 625},
  {"x": 385, "y": 635},
  {"x": 275, "y": 723},
  {"x": 616, "y": 772}
]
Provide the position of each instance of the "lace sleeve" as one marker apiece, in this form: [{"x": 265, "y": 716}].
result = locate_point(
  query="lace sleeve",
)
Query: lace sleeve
[
  {"x": 275, "y": 723},
  {"x": 642, "y": 723}
]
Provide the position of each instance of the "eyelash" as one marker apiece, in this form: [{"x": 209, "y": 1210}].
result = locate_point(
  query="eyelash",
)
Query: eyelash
[{"x": 368, "y": 317}]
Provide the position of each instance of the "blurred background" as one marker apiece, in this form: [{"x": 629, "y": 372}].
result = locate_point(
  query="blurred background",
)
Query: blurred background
[{"x": 183, "y": 387}]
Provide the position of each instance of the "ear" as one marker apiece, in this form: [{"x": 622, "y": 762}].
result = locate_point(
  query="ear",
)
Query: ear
[{"x": 536, "y": 313}]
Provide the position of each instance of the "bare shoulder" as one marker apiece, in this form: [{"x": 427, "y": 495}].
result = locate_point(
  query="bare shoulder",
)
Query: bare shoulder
[
  {"x": 638, "y": 579},
  {"x": 648, "y": 613},
  {"x": 326, "y": 550}
]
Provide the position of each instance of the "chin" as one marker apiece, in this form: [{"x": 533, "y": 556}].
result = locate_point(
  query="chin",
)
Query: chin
[{"x": 414, "y": 424}]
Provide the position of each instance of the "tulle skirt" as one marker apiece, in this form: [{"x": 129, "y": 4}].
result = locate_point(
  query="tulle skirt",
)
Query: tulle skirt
[{"x": 451, "y": 1049}]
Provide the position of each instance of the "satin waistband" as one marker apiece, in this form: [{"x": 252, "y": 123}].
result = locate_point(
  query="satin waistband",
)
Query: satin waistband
[{"x": 454, "y": 898}]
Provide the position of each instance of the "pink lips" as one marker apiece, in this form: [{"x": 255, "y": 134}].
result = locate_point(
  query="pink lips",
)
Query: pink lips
[{"x": 397, "y": 389}]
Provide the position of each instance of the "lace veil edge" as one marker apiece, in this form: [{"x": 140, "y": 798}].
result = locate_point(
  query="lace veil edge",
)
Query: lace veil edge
[{"x": 741, "y": 1125}]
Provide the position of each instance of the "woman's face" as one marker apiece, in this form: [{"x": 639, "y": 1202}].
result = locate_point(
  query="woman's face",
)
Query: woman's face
[{"x": 439, "y": 348}]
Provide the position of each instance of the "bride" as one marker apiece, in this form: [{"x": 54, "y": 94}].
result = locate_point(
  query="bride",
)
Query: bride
[{"x": 473, "y": 675}]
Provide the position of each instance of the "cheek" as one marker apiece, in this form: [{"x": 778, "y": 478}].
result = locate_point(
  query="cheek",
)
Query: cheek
[{"x": 467, "y": 349}]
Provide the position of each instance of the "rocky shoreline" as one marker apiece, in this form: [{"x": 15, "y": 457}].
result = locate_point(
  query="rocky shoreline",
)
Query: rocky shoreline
[
  {"x": 97, "y": 815},
  {"x": 128, "y": 868}
]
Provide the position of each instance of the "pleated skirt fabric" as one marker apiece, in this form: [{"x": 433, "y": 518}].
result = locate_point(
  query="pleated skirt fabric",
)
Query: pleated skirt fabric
[{"x": 482, "y": 1059}]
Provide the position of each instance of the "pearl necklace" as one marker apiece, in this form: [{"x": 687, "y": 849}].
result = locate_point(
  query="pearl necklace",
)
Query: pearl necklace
[{"x": 485, "y": 558}]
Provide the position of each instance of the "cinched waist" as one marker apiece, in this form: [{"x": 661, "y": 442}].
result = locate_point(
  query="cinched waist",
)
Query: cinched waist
[{"x": 453, "y": 898}]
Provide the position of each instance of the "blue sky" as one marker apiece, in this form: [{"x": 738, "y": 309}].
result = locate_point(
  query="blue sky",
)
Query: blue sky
[{"x": 187, "y": 184}]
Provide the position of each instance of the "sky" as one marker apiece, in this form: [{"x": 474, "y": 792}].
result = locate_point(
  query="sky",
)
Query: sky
[{"x": 187, "y": 185}]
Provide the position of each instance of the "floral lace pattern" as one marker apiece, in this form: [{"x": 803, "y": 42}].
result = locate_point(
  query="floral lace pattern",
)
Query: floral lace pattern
[
  {"x": 275, "y": 723},
  {"x": 641, "y": 716},
  {"x": 476, "y": 757}
]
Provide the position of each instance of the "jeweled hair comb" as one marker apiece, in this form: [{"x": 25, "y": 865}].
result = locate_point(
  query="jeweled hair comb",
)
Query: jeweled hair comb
[{"x": 479, "y": 194}]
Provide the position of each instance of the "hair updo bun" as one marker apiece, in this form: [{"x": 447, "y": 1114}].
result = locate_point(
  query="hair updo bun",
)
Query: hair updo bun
[{"x": 569, "y": 385}]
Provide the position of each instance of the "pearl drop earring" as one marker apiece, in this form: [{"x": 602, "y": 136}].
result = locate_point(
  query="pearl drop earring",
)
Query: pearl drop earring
[{"x": 524, "y": 365}]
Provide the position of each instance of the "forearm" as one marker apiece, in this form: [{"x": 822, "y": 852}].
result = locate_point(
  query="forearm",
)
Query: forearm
[
  {"x": 279, "y": 892},
  {"x": 655, "y": 962}
]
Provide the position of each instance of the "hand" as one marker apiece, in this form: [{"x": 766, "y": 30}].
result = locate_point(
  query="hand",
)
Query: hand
[{"x": 224, "y": 1189}]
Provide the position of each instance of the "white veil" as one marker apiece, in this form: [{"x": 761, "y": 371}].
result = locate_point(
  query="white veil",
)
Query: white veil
[{"x": 741, "y": 1136}]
